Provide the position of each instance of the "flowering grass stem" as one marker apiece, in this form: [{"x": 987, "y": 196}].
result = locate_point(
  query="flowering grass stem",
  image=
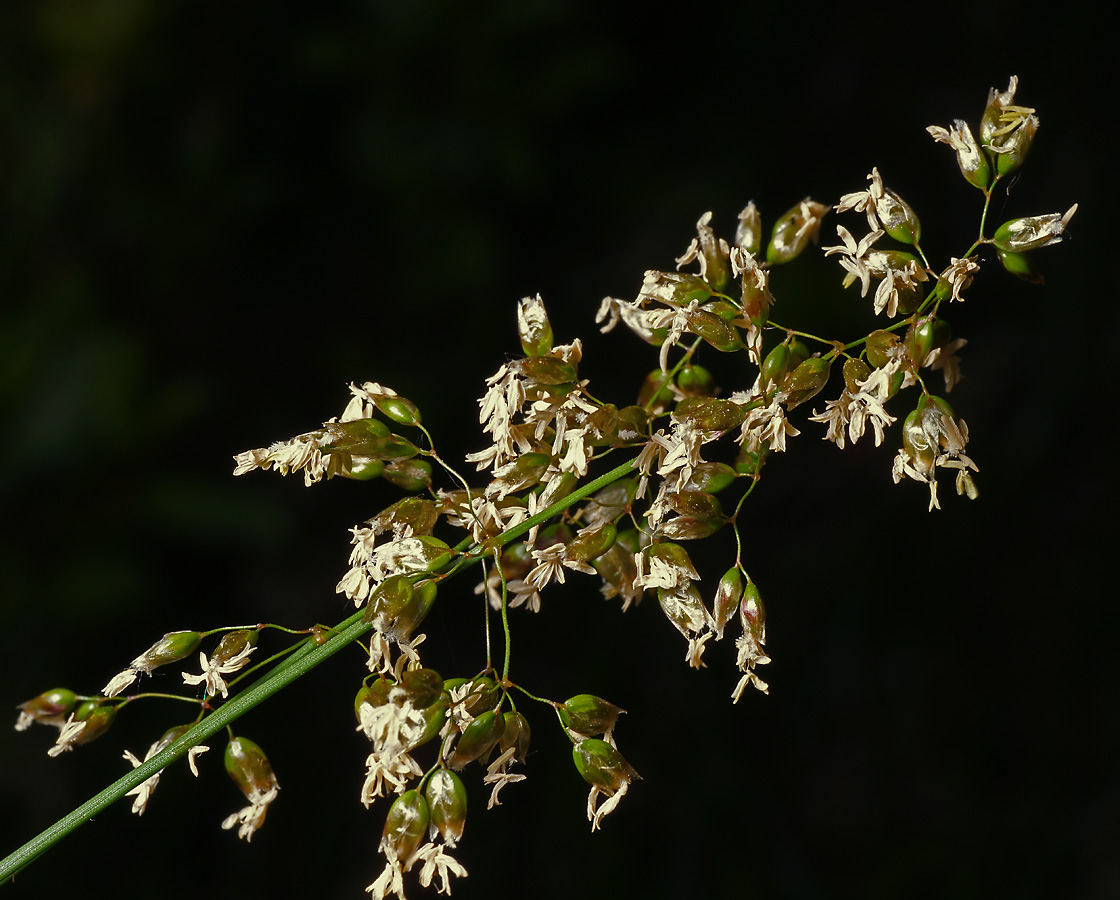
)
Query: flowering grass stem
[{"x": 306, "y": 657}]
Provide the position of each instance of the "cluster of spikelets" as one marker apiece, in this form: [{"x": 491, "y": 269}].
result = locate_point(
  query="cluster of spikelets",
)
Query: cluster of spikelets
[{"x": 545, "y": 512}]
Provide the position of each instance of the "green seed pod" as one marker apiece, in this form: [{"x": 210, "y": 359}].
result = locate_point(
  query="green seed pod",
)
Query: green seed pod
[
  {"x": 557, "y": 533},
  {"x": 587, "y": 714},
  {"x": 942, "y": 290},
  {"x": 924, "y": 336},
  {"x": 633, "y": 423},
  {"x": 83, "y": 709},
  {"x": 720, "y": 334},
  {"x": 729, "y": 592},
  {"x": 601, "y": 765},
  {"x": 374, "y": 428},
  {"x": 523, "y": 472},
  {"x": 896, "y": 383},
  {"x": 447, "y": 804},
  {"x": 397, "y": 448},
  {"x": 798, "y": 353},
  {"x": 478, "y": 739},
  {"x": 592, "y": 543},
  {"x": 249, "y": 767},
  {"x": 916, "y": 443},
  {"x": 545, "y": 370},
  {"x": 775, "y": 365},
  {"x": 409, "y": 475},
  {"x": 517, "y": 560},
  {"x": 533, "y": 328},
  {"x": 694, "y": 503},
  {"x": 793, "y": 231},
  {"x": 756, "y": 298},
  {"x": 423, "y": 686},
  {"x": 376, "y": 694},
  {"x": 696, "y": 381},
  {"x": 1017, "y": 147},
  {"x": 1032, "y": 232},
  {"x": 709, "y": 413},
  {"x": 98, "y": 720},
  {"x": 750, "y": 462},
  {"x": 892, "y": 259},
  {"x": 684, "y": 607},
  {"x": 752, "y": 613},
  {"x": 435, "y": 716},
  {"x": 613, "y": 500},
  {"x": 972, "y": 161},
  {"x": 450, "y": 687},
  {"x": 483, "y": 696},
  {"x": 727, "y": 310},
  {"x": 689, "y": 528},
  {"x": 232, "y": 643},
  {"x": 1021, "y": 266},
  {"x": 807, "y": 380},
  {"x": 632, "y": 540},
  {"x": 656, "y": 393},
  {"x": 710, "y": 477},
  {"x": 550, "y": 393},
  {"x": 910, "y": 297},
  {"x": 566, "y": 484},
  {"x": 397, "y": 607},
  {"x": 616, "y": 566},
  {"x": 516, "y": 734},
  {"x": 170, "y": 648},
  {"x": 677, "y": 288},
  {"x": 855, "y": 372},
  {"x": 50, "y": 707},
  {"x": 940, "y": 423},
  {"x": 360, "y": 437},
  {"x": 388, "y": 602},
  {"x": 1007, "y": 130},
  {"x": 714, "y": 257},
  {"x": 416, "y": 512},
  {"x": 364, "y": 468},
  {"x": 881, "y": 348},
  {"x": 675, "y": 555},
  {"x": 602, "y": 425},
  {"x": 897, "y": 218},
  {"x": 423, "y": 599},
  {"x": 168, "y": 738},
  {"x": 405, "y": 827},
  {"x": 397, "y": 409},
  {"x": 748, "y": 233}
]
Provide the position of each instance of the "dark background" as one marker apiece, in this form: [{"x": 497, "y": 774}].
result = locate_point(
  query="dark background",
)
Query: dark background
[{"x": 213, "y": 217}]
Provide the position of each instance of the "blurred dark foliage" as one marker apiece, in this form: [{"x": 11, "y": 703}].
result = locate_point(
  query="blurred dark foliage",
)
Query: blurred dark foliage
[{"x": 213, "y": 217}]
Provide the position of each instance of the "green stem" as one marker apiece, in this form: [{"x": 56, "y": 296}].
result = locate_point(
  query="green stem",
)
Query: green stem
[
  {"x": 735, "y": 521},
  {"x": 804, "y": 334},
  {"x": 500, "y": 540},
  {"x": 281, "y": 677},
  {"x": 987, "y": 202},
  {"x": 155, "y": 694},
  {"x": 486, "y": 618},
  {"x": 505, "y": 612},
  {"x": 551, "y": 703},
  {"x": 925, "y": 262},
  {"x": 300, "y": 663},
  {"x": 264, "y": 662}
]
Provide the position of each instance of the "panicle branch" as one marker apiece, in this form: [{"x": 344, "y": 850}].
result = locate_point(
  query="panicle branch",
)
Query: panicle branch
[{"x": 539, "y": 508}]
